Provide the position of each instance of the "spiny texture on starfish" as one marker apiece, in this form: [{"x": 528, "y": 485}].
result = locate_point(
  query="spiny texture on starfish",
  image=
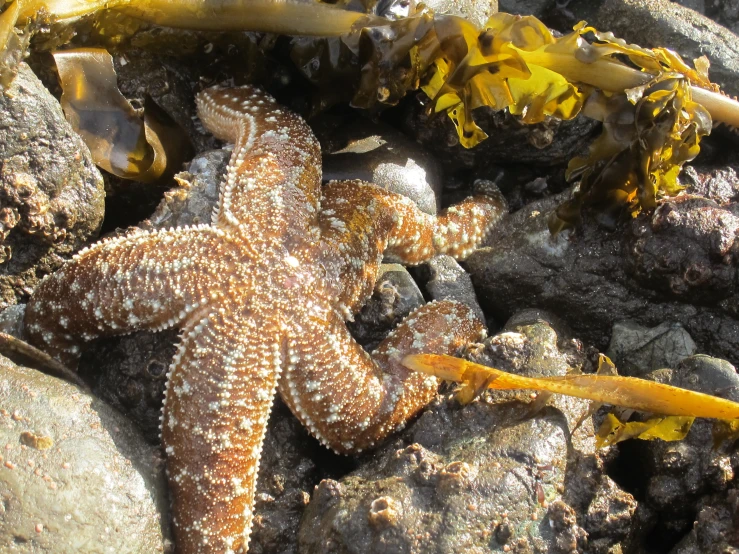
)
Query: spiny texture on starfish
[{"x": 261, "y": 295}]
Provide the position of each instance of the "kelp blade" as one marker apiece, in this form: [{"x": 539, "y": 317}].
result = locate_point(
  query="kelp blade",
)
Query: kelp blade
[
  {"x": 120, "y": 141},
  {"x": 628, "y": 392}
]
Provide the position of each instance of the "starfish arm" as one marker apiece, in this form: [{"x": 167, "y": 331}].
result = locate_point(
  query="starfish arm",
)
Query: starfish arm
[
  {"x": 360, "y": 222},
  {"x": 219, "y": 393},
  {"x": 273, "y": 178},
  {"x": 147, "y": 280},
  {"x": 350, "y": 400}
]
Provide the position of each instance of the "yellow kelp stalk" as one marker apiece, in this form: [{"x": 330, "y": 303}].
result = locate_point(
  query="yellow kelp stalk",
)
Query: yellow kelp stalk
[{"x": 680, "y": 405}]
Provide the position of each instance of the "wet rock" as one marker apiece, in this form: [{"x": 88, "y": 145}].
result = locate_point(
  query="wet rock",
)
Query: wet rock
[
  {"x": 594, "y": 278},
  {"x": 509, "y": 141},
  {"x": 76, "y": 476},
  {"x": 653, "y": 23},
  {"x": 715, "y": 527},
  {"x": 536, "y": 8},
  {"x": 487, "y": 476},
  {"x": 194, "y": 198},
  {"x": 394, "y": 297},
  {"x": 719, "y": 184},
  {"x": 445, "y": 279},
  {"x": 677, "y": 480},
  {"x": 51, "y": 194},
  {"x": 473, "y": 10},
  {"x": 381, "y": 155},
  {"x": 637, "y": 350}
]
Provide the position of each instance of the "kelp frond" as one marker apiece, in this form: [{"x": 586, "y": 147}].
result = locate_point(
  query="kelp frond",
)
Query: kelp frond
[{"x": 678, "y": 406}]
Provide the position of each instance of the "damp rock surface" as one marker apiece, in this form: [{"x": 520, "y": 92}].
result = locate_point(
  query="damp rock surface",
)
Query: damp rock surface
[
  {"x": 75, "y": 475},
  {"x": 51, "y": 194}
]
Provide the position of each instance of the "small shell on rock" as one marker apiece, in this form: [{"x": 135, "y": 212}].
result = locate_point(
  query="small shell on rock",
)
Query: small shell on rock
[{"x": 384, "y": 512}]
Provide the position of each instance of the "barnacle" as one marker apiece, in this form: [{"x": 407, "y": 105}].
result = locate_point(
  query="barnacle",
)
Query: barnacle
[{"x": 679, "y": 406}]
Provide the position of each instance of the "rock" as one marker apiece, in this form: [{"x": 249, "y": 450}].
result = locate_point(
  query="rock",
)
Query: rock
[
  {"x": 445, "y": 279},
  {"x": 487, "y": 476},
  {"x": 194, "y": 198},
  {"x": 537, "y": 8},
  {"x": 637, "y": 350},
  {"x": 715, "y": 526},
  {"x": 76, "y": 476},
  {"x": 509, "y": 141},
  {"x": 395, "y": 296},
  {"x": 473, "y": 10},
  {"x": 719, "y": 184},
  {"x": 51, "y": 194},
  {"x": 381, "y": 155},
  {"x": 653, "y": 23},
  {"x": 594, "y": 278},
  {"x": 676, "y": 479}
]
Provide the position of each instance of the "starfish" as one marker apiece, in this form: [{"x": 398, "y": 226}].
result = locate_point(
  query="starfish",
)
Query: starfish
[{"x": 261, "y": 296}]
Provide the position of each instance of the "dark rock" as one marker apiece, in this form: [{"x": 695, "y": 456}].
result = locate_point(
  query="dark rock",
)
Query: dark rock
[
  {"x": 192, "y": 202},
  {"x": 637, "y": 350},
  {"x": 594, "y": 278},
  {"x": 445, "y": 279},
  {"x": 537, "y": 8},
  {"x": 381, "y": 155},
  {"x": 509, "y": 141},
  {"x": 75, "y": 476},
  {"x": 395, "y": 296},
  {"x": 677, "y": 480},
  {"x": 653, "y": 23},
  {"x": 715, "y": 528},
  {"x": 487, "y": 476},
  {"x": 51, "y": 194}
]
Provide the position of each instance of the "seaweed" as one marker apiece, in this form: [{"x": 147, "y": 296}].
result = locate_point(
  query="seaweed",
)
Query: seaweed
[
  {"x": 120, "y": 141},
  {"x": 678, "y": 406},
  {"x": 655, "y": 107}
]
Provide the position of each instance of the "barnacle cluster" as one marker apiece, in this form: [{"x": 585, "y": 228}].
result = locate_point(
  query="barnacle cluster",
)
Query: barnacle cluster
[{"x": 654, "y": 106}]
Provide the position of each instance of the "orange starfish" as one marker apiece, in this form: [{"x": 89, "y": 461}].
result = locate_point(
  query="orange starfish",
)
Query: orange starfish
[{"x": 261, "y": 296}]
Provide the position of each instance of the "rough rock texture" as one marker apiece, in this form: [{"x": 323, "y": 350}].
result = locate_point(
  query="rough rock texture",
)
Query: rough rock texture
[
  {"x": 490, "y": 476},
  {"x": 637, "y": 350},
  {"x": 76, "y": 476},
  {"x": 509, "y": 141},
  {"x": 683, "y": 482},
  {"x": 51, "y": 194},
  {"x": 445, "y": 279},
  {"x": 652, "y": 23},
  {"x": 678, "y": 264},
  {"x": 474, "y": 10}
]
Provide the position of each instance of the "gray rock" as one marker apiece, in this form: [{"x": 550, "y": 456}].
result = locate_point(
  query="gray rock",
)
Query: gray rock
[
  {"x": 447, "y": 280},
  {"x": 637, "y": 350},
  {"x": 593, "y": 278},
  {"x": 76, "y": 477},
  {"x": 652, "y": 23},
  {"x": 381, "y": 155},
  {"x": 476, "y": 11},
  {"x": 51, "y": 194},
  {"x": 192, "y": 202},
  {"x": 679, "y": 478},
  {"x": 720, "y": 185},
  {"x": 537, "y": 8},
  {"x": 395, "y": 296},
  {"x": 509, "y": 141},
  {"x": 489, "y": 476}
]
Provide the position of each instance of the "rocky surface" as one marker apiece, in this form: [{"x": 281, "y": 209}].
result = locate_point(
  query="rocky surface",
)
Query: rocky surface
[
  {"x": 75, "y": 475},
  {"x": 493, "y": 476},
  {"x": 51, "y": 194},
  {"x": 501, "y": 474},
  {"x": 650, "y": 271}
]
